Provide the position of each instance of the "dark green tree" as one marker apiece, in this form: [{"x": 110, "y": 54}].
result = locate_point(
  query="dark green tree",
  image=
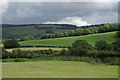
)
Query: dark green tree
[
  {"x": 82, "y": 43},
  {"x": 118, "y": 34},
  {"x": 78, "y": 31},
  {"x": 11, "y": 43},
  {"x": 79, "y": 48},
  {"x": 86, "y": 31},
  {"x": 5, "y": 54},
  {"x": 103, "y": 45},
  {"x": 116, "y": 45}
]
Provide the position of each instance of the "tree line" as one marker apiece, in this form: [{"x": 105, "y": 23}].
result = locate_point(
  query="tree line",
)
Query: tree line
[
  {"x": 102, "y": 52},
  {"x": 25, "y": 54},
  {"x": 77, "y": 32}
]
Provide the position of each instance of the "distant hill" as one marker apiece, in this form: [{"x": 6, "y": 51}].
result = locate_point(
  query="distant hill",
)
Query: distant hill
[
  {"x": 19, "y": 31},
  {"x": 96, "y": 25},
  {"x": 32, "y": 30}
]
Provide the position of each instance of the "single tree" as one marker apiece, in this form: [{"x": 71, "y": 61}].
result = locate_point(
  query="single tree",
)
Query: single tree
[{"x": 11, "y": 43}]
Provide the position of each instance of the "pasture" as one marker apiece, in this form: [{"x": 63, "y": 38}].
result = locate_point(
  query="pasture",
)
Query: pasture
[
  {"x": 58, "y": 69},
  {"x": 67, "y": 41},
  {"x": 36, "y": 48}
]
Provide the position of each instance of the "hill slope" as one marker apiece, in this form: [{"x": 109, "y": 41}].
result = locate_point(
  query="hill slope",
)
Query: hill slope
[
  {"x": 32, "y": 30},
  {"x": 67, "y": 41}
]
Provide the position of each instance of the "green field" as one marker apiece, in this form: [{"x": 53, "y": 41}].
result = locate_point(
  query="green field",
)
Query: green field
[
  {"x": 67, "y": 41},
  {"x": 57, "y": 69},
  {"x": 36, "y": 48}
]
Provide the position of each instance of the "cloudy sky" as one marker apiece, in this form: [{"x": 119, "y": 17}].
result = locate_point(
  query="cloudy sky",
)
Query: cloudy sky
[{"x": 77, "y": 13}]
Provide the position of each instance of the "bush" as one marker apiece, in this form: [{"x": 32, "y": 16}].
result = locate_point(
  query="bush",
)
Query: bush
[
  {"x": 77, "y": 51},
  {"x": 118, "y": 34},
  {"x": 19, "y": 60},
  {"x": 116, "y": 45},
  {"x": 17, "y": 53},
  {"x": 79, "y": 48},
  {"x": 111, "y": 61},
  {"x": 63, "y": 52},
  {"x": 11, "y": 43},
  {"x": 82, "y": 43},
  {"x": 103, "y": 45},
  {"x": 5, "y": 54},
  {"x": 103, "y": 54},
  {"x": 34, "y": 55}
]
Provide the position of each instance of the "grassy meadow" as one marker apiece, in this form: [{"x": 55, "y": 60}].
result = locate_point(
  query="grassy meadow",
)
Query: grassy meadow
[
  {"x": 67, "y": 41},
  {"x": 58, "y": 69},
  {"x": 36, "y": 48}
]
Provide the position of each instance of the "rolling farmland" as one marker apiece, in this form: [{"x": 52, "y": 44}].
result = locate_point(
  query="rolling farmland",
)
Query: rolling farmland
[{"x": 67, "y": 41}]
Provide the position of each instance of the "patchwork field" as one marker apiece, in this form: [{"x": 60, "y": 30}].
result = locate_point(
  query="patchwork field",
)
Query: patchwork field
[
  {"x": 57, "y": 69},
  {"x": 67, "y": 41}
]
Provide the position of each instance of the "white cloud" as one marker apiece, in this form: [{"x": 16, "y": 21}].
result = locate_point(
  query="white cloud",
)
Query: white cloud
[{"x": 70, "y": 20}]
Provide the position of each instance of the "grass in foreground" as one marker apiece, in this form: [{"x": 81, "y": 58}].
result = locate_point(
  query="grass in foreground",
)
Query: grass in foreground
[
  {"x": 57, "y": 69},
  {"x": 67, "y": 41}
]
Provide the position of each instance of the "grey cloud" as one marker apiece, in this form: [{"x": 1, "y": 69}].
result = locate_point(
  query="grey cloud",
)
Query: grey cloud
[{"x": 37, "y": 12}]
